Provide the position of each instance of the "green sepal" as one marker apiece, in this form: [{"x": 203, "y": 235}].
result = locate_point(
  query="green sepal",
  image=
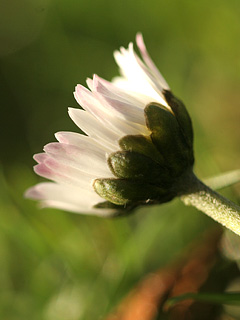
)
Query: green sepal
[
  {"x": 119, "y": 210},
  {"x": 141, "y": 144},
  {"x": 181, "y": 115},
  {"x": 128, "y": 208},
  {"x": 107, "y": 205},
  {"x": 121, "y": 192},
  {"x": 167, "y": 137},
  {"x": 133, "y": 165}
]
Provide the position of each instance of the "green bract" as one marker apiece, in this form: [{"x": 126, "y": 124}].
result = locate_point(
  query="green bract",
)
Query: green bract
[
  {"x": 147, "y": 167},
  {"x": 124, "y": 191}
]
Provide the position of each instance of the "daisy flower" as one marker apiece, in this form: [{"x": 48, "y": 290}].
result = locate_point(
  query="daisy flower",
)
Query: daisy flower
[{"x": 138, "y": 141}]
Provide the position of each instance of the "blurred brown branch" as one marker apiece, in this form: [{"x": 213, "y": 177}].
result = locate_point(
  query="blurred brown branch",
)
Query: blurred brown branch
[{"x": 187, "y": 274}]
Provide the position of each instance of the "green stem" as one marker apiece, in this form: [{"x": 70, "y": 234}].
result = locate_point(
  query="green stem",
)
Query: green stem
[
  {"x": 213, "y": 204},
  {"x": 223, "y": 180}
]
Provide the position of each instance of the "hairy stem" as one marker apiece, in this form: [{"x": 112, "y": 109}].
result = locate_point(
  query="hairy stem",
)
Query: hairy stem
[{"x": 212, "y": 203}]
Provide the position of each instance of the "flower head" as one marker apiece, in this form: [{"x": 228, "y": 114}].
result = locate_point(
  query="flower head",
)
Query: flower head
[{"x": 138, "y": 142}]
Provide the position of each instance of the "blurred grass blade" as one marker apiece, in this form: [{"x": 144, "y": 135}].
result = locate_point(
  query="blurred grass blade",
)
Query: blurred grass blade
[
  {"x": 230, "y": 298},
  {"x": 223, "y": 180}
]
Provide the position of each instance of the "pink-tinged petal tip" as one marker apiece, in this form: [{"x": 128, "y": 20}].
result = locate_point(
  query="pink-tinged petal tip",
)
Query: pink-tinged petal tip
[
  {"x": 40, "y": 157},
  {"x": 33, "y": 193},
  {"x": 140, "y": 41}
]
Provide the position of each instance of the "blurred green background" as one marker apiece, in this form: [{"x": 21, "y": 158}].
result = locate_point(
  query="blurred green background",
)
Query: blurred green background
[{"x": 57, "y": 265}]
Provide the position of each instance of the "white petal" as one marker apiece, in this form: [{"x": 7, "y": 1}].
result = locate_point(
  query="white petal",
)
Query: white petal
[
  {"x": 87, "y": 100},
  {"x": 76, "y": 209},
  {"x": 90, "y": 83},
  {"x": 53, "y": 170},
  {"x": 94, "y": 129},
  {"x": 87, "y": 160},
  {"x": 103, "y": 134},
  {"x": 81, "y": 140},
  {"x": 120, "y": 117},
  {"x": 78, "y": 176},
  {"x": 40, "y": 157},
  {"x": 67, "y": 198},
  {"x": 108, "y": 114},
  {"x": 147, "y": 59},
  {"x": 109, "y": 89},
  {"x": 69, "y": 194},
  {"x": 137, "y": 77},
  {"x": 123, "y": 110}
]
